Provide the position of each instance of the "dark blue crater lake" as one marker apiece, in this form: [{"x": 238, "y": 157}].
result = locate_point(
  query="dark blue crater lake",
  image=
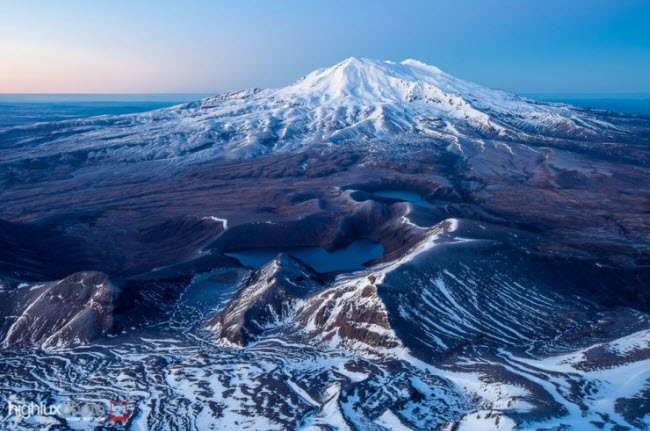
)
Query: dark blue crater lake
[{"x": 350, "y": 258}]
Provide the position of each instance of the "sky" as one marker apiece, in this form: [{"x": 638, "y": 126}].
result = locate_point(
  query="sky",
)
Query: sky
[{"x": 162, "y": 46}]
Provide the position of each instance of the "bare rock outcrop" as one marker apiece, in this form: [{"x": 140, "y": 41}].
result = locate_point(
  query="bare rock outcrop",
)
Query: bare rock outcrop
[
  {"x": 64, "y": 313},
  {"x": 265, "y": 300}
]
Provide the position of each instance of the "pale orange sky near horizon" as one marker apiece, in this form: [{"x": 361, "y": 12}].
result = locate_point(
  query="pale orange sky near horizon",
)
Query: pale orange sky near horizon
[{"x": 49, "y": 68}]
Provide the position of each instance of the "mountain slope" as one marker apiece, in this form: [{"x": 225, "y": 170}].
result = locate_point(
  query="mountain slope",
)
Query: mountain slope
[
  {"x": 351, "y": 102},
  {"x": 72, "y": 311}
]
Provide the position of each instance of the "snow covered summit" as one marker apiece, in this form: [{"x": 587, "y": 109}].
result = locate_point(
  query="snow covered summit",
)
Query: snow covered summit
[{"x": 353, "y": 102}]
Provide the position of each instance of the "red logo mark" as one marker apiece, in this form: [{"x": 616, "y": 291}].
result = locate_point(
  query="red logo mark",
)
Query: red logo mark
[{"x": 118, "y": 411}]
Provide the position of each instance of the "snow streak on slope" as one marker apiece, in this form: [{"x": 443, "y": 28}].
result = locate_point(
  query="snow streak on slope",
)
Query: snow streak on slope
[{"x": 178, "y": 378}]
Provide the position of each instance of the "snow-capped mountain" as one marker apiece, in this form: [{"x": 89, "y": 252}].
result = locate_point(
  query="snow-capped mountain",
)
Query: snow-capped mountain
[
  {"x": 169, "y": 259},
  {"x": 358, "y": 102}
]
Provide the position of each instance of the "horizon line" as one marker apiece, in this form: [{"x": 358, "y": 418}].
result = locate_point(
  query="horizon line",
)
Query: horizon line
[{"x": 221, "y": 91}]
